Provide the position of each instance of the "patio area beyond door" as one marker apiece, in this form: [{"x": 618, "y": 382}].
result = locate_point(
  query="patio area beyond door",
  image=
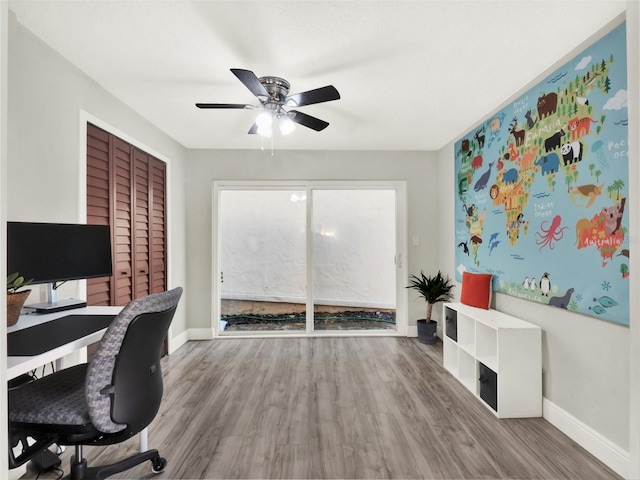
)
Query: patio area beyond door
[{"x": 308, "y": 258}]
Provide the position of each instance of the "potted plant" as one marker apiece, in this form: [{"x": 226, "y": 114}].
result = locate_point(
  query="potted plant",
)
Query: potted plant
[
  {"x": 15, "y": 298},
  {"x": 435, "y": 288}
]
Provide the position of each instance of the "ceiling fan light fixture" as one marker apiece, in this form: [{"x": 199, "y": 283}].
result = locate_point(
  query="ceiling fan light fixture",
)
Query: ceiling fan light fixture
[
  {"x": 264, "y": 120},
  {"x": 265, "y": 131},
  {"x": 286, "y": 124}
]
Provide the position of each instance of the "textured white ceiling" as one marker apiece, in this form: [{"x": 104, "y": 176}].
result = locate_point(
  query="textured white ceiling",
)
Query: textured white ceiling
[{"x": 413, "y": 75}]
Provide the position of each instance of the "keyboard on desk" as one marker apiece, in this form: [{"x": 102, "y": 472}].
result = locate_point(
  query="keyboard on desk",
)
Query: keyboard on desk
[{"x": 49, "y": 335}]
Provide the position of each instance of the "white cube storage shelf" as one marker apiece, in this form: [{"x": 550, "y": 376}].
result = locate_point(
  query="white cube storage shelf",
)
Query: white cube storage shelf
[{"x": 498, "y": 357}]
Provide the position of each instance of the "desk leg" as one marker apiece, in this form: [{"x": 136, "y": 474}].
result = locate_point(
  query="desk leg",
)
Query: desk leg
[{"x": 144, "y": 440}]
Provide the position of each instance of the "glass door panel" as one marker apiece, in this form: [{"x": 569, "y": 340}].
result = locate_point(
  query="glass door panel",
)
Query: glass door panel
[
  {"x": 262, "y": 258},
  {"x": 354, "y": 248}
]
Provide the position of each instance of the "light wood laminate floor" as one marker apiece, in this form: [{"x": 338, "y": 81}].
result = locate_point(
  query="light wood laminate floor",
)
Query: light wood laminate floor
[{"x": 337, "y": 408}]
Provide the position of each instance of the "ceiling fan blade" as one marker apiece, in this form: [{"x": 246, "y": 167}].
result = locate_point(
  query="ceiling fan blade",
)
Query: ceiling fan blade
[
  {"x": 253, "y": 130},
  {"x": 249, "y": 79},
  {"x": 308, "y": 121},
  {"x": 224, "y": 105},
  {"x": 319, "y": 95}
]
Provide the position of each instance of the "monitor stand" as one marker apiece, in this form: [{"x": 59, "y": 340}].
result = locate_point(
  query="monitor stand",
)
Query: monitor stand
[{"x": 53, "y": 305}]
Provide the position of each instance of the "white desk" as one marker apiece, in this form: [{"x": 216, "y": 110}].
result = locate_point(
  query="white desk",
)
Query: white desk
[{"x": 16, "y": 366}]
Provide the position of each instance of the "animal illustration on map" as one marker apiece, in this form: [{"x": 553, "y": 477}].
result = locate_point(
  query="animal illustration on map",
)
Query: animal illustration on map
[
  {"x": 479, "y": 136},
  {"x": 512, "y": 154},
  {"x": 530, "y": 121},
  {"x": 533, "y": 284},
  {"x": 471, "y": 213},
  {"x": 606, "y": 301},
  {"x": 493, "y": 244},
  {"x": 563, "y": 301},
  {"x": 465, "y": 247},
  {"x": 545, "y": 284},
  {"x": 548, "y": 163},
  {"x": 554, "y": 141},
  {"x": 597, "y": 149},
  {"x": 476, "y": 163},
  {"x": 528, "y": 158},
  {"x": 554, "y": 233},
  {"x": 482, "y": 182},
  {"x": 495, "y": 125},
  {"x": 583, "y": 225},
  {"x": 613, "y": 217},
  {"x": 547, "y": 104},
  {"x": 510, "y": 176},
  {"x": 579, "y": 127},
  {"x": 571, "y": 152},
  {"x": 518, "y": 135},
  {"x": 465, "y": 146},
  {"x": 589, "y": 191},
  {"x": 525, "y": 284}
]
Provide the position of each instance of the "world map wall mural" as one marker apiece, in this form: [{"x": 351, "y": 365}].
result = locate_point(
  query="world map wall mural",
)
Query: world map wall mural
[{"x": 542, "y": 186}]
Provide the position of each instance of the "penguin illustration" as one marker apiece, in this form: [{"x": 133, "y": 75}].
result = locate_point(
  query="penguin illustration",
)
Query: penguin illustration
[
  {"x": 525, "y": 284},
  {"x": 533, "y": 284},
  {"x": 545, "y": 284}
]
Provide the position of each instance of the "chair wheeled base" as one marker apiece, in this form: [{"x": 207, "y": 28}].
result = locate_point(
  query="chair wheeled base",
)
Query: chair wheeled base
[{"x": 80, "y": 470}]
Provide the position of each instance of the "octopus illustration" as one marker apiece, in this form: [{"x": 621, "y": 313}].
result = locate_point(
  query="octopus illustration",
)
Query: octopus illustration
[{"x": 550, "y": 235}]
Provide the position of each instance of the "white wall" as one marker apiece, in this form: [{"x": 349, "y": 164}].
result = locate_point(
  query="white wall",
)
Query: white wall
[
  {"x": 206, "y": 166},
  {"x": 263, "y": 246},
  {"x": 633, "y": 68},
  {"x": 48, "y": 98},
  {"x": 4, "y": 35},
  {"x": 586, "y": 362}
]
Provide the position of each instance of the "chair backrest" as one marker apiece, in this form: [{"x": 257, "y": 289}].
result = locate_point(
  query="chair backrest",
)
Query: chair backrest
[{"x": 124, "y": 381}]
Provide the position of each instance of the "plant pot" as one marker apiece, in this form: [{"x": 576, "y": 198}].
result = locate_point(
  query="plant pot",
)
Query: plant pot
[
  {"x": 427, "y": 331},
  {"x": 15, "y": 301}
]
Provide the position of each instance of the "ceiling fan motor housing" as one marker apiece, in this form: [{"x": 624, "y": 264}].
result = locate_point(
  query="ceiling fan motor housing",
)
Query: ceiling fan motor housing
[{"x": 278, "y": 88}]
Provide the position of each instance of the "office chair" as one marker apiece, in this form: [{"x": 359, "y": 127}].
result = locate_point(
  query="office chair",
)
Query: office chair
[{"x": 104, "y": 402}]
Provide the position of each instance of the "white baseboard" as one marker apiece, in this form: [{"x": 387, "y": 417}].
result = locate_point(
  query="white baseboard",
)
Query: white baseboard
[
  {"x": 201, "y": 334},
  {"x": 190, "y": 334},
  {"x": 595, "y": 443}
]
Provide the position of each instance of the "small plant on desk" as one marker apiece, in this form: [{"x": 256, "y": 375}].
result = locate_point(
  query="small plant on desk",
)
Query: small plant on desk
[
  {"x": 15, "y": 282},
  {"x": 16, "y": 298}
]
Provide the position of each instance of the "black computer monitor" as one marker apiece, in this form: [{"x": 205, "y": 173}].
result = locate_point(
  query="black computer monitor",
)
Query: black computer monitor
[{"x": 53, "y": 253}]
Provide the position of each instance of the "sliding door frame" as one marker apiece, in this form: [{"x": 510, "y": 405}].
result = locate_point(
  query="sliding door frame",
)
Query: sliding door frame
[{"x": 308, "y": 186}]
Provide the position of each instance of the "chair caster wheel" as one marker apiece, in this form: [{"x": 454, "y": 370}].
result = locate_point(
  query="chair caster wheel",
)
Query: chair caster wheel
[{"x": 158, "y": 464}]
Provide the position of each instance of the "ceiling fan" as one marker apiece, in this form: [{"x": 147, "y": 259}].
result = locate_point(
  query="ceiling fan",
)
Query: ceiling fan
[{"x": 273, "y": 94}]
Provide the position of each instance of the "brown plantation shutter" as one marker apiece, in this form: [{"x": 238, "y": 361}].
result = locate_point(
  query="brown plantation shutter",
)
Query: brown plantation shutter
[
  {"x": 98, "y": 210},
  {"x": 158, "y": 224},
  {"x": 126, "y": 188},
  {"x": 121, "y": 227},
  {"x": 141, "y": 232}
]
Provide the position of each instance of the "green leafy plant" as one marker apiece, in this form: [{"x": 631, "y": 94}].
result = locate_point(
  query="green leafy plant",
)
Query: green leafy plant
[
  {"x": 15, "y": 282},
  {"x": 435, "y": 288}
]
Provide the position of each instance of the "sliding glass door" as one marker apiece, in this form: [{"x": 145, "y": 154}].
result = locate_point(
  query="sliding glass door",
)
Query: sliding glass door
[
  {"x": 308, "y": 257},
  {"x": 262, "y": 274},
  {"x": 354, "y": 252}
]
